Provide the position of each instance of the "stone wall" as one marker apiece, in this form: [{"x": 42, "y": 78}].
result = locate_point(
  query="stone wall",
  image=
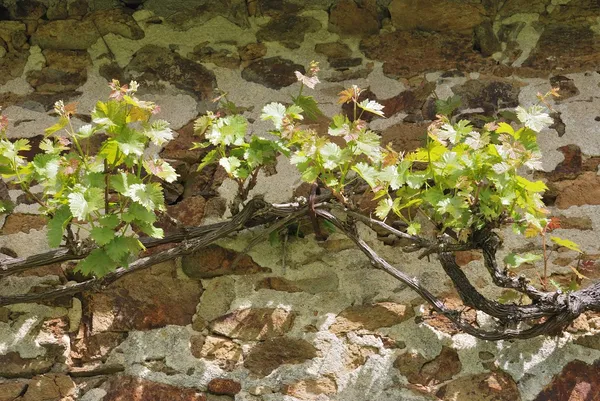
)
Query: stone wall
[{"x": 303, "y": 320}]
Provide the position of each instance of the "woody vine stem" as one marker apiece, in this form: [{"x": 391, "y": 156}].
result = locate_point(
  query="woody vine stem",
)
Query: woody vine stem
[{"x": 464, "y": 184}]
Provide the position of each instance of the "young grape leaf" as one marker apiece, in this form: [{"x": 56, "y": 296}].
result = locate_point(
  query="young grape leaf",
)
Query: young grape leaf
[
  {"x": 274, "y": 112},
  {"x": 566, "y": 243},
  {"x": 309, "y": 106},
  {"x": 448, "y": 106},
  {"x": 514, "y": 260},
  {"x": 102, "y": 235},
  {"x": 57, "y": 225},
  {"x": 97, "y": 263},
  {"x": 82, "y": 204},
  {"x": 148, "y": 195},
  {"x": 159, "y": 132},
  {"x": 372, "y": 107}
]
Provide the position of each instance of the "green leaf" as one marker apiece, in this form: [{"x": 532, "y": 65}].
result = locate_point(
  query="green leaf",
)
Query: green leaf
[
  {"x": 274, "y": 112},
  {"x": 57, "y": 225},
  {"x": 383, "y": 208},
  {"x": 111, "y": 221},
  {"x": 414, "y": 228},
  {"x": 310, "y": 174},
  {"x": 209, "y": 158},
  {"x": 122, "y": 181},
  {"x": 148, "y": 195},
  {"x": 230, "y": 164},
  {"x": 102, "y": 235},
  {"x": 82, "y": 204},
  {"x": 110, "y": 114},
  {"x": 46, "y": 165},
  {"x": 6, "y": 206},
  {"x": 332, "y": 155},
  {"x": 131, "y": 142},
  {"x": 120, "y": 248},
  {"x": 85, "y": 131},
  {"x": 161, "y": 169},
  {"x": 368, "y": 143},
  {"x": 448, "y": 106},
  {"x": 62, "y": 123},
  {"x": 372, "y": 107},
  {"x": 309, "y": 106},
  {"x": 138, "y": 213},
  {"x": 504, "y": 128},
  {"x": 97, "y": 263},
  {"x": 367, "y": 173},
  {"x": 566, "y": 243},
  {"x": 329, "y": 226},
  {"x": 537, "y": 186},
  {"x": 159, "y": 132},
  {"x": 514, "y": 260},
  {"x": 150, "y": 230}
]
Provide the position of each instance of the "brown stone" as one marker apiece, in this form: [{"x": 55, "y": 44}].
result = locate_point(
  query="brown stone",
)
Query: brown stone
[
  {"x": 589, "y": 341},
  {"x": 73, "y": 34},
  {"x": 423, "y": 52},
  {"x": 311, "y": 285},
  {"x": 254, "y": 323},
  {"x": 95, "y": 347},
  {"x": 153, "y": 63},
  {"x": 333, "y": 50},
  {"x": 224, "y": 387},
  {"x": 253, "y": 51},
  {"x": 583, "y": 190},
  {"x": 309, "y": 389},
  {"x": 463, "y": 258},
  {"x": 179, "y": 148},
  {"x": 566, "y": 87},
  {"x": 12, "y": 365},
  {"x": 490, "y": 386},
  {"x": 571, "y": 165},
  {"x": 436, "y": 15},
  {"x": 272, "y": 72},
  {"x": 566, "y": 48},
  {"x": 145, "y": 300},
  {"x": 347, "y": 17},
  {"x": 189, "y": 212},
  {"x": 409, "y": 101},
  {"x": 419, "y": 370},
  {"x": 575, "y": 223},
  {"x": 269, "y": 355},
  {"x": 10, "y": 391},
  {"x": 20, "y": 222},
  {"x": 577, "y": 381},
  {"x": 116, "y": 21},
  {"x": 442, "y": 323},
  {"x": 13, "y": 35},
  {"x": 50, "y": 387},
  {"x": 405, "y": 137},
  {"x": 214, "y": 261},
  {"x": 288, "y": 29},
  {"x": 371, "y": 317},
  {"x": 127, "y": 388},
  {"x": 356, "y": 355},
  {"x": 489, "y": 94},
  {"x": 65, "y": 70},
  {"x": 95, "y": 369},
  {"x": 223, "y": 352},
  {"x": 277, "y": 284},
  {"x": 219, "y": 57}
]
